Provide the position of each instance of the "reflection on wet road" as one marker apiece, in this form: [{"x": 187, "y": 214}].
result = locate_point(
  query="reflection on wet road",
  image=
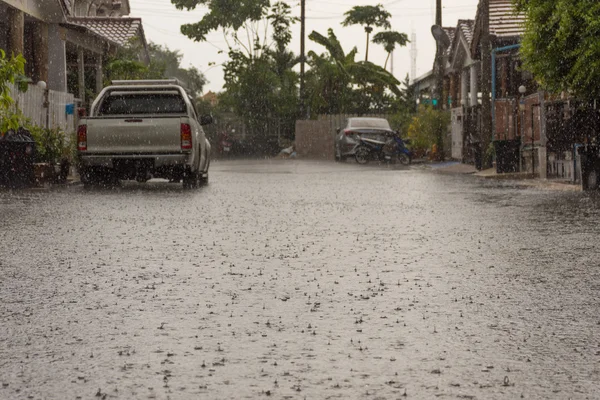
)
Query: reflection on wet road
[{"x": 300, "y": 280}]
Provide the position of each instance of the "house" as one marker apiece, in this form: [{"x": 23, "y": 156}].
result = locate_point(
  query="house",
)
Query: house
[
  {"x": 424, "y": 85},
  {"x": 463, "y": 80},
  {"x": 211, "y": 98},
  {"x": 96, "y": 29},
  {"x": 63, "y": 38},
  {"x": 516, "y": 100},
  {"x": 65, "y": 44},
  {"x": 463, "y": 88},
  {"x": 31, "y": 28}
]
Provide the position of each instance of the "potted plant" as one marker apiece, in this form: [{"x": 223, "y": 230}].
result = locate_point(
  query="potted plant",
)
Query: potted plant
[{"x": 54, "y": 154}]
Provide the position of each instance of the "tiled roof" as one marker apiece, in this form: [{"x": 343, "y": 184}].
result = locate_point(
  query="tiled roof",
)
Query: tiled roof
[
  {"x": 466, "y": 26},
  {"x": 505, "y": 24},
  {"x": 68, "y": 5},
  {"x": 117, "y": 30},
  {"x": 464, "y": 29},
  {"x": 504, "y": 21}
]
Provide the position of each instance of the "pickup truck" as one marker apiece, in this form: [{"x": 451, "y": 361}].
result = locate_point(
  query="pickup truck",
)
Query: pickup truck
[{"x": 142, "y": 130}]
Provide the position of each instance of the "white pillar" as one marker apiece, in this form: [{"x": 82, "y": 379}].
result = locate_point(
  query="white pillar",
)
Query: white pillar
[
  {"x": 474, "y": 87},
  {"x": 464, "y": 88},
  {"x": 57, "y": 71}
]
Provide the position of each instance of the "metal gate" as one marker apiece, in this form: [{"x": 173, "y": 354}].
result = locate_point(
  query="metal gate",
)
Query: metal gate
[
  {"x": 457, "y": 133},
  {"x": 471, "y": 133}
]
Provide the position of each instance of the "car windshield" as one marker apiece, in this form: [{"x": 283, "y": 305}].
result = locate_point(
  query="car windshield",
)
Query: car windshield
[
  {"x": 299, "y": 199},
  {"x": 369, "y": 123}
]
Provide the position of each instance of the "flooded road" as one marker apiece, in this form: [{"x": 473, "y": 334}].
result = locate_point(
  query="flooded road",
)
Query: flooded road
[{"x": 300, "y": 280}]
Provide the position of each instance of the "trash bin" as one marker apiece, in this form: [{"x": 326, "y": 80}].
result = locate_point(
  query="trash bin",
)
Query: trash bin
[
  {"x": 507, "y": 155},
  {"x": 17, "y": 156},
  {"x": 477, "y": 156},
  {"x": 590, "y": 167}
]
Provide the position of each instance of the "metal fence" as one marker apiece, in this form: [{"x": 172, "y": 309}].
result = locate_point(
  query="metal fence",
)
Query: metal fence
[
  {"x": 471, "y": 131},
  {"x": 569, "y": 125},
  {"x": 47, "y": 114}
]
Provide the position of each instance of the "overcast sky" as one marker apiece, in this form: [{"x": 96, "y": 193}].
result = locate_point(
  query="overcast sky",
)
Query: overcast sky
[{"x": 162, "y": 21}]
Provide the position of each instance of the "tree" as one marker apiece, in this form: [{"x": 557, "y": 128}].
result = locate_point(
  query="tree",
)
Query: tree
[
  {"x": 12, "y": 71},
  {"x": 338, "y": 83},
  {"x": 164, "y": 64},
  {"x": 260, "y": 84},
  {"x": 169, "y": 62},
  {"x": 427, "y": 128},
  {"x": 389, "y": 40},
  {"x": 368, "y": 16},
  {"x": 560, "y": 45},
  {"x": 403, "y": 109},
  {"x": 126, "y": 64},
  {"x": 243, "y": 23}
]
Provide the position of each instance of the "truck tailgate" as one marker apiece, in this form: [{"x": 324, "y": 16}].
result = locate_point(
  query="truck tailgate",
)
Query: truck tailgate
[{"x": 134, "y": 135}]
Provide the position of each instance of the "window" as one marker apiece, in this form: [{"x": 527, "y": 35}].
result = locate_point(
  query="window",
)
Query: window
[
  {"x": 142, "y": 104},
  {"x": 373, "y": 123}
]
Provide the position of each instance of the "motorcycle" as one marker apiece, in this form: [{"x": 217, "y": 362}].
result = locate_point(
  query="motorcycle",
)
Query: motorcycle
[
  {"x": 393, "y": 150},
  {"x": 225, "y": 144}
]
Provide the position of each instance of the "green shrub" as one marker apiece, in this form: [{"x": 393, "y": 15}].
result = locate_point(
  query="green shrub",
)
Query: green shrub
[
  {"x": 12, "y": 70},
  {"x": 427, "y": 128},
  {"x": 490, "y": 154},
  {"x": 52, "y": 145}
]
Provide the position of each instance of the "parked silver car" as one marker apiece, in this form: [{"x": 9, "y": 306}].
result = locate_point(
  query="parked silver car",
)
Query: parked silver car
[{"x": 346, "y": 138}]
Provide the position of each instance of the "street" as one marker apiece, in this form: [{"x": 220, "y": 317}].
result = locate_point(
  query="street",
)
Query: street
[{"x": 300, "y": 280}]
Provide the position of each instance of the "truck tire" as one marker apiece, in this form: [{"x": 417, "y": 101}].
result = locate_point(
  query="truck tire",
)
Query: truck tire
[
  {"x": 191, "y": 180},
  {"x": 204, "y": 175},
  {"x": 88, "y": 177}
]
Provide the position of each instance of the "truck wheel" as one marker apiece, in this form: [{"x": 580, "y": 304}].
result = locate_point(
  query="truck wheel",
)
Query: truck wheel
[
  {"x": 88, "y": 177},
  {"x": 204, "y": 179},
  {"x": 191, "y": 180},
  {"x": 204, "y": 175}
]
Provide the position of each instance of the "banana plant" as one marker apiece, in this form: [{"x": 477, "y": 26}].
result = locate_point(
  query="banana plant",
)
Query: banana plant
[{"x": 341, "y": 77}]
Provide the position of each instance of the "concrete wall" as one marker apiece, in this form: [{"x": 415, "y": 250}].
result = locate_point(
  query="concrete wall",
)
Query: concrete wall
[{"x": 314, "y": 140}]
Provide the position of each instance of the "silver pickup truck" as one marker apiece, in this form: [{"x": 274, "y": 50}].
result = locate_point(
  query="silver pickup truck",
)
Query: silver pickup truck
[{"x": 141, "y": 130}]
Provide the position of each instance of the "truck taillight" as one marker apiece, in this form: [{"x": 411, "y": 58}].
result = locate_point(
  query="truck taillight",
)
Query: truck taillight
[
  {"x": 186, "y": 137},
  {"x": 82, "y": 138}
]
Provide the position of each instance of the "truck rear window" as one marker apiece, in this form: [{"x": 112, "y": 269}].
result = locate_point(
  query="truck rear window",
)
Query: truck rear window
[{"x": 143, "y": 103}]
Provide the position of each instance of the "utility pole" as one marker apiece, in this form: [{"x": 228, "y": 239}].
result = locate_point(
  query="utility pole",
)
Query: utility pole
[
  {"x": 302, "y": 58},
  {"x": 439, "y": 59},
  {"x": 486, "y": 79}
]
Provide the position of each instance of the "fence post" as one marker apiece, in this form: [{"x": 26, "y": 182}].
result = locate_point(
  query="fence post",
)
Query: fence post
[
  {"x": 543, "y": 151},
  {"x": 47, "y": 107}
]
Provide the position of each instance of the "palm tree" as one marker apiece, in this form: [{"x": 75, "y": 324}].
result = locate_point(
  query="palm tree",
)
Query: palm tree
[
  {"x": 368, "y": 16},
  {"x": 389, "y": 40}
]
